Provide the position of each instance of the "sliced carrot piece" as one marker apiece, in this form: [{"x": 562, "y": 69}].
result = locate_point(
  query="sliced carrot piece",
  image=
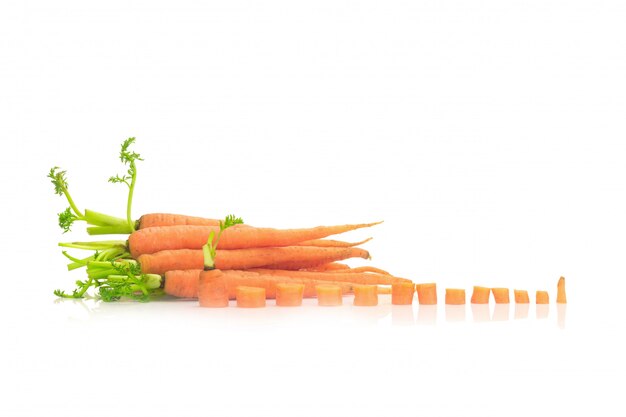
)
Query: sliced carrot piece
[
  {"x": 560, "y": 292},
  {"x": 501, "y": 295},
  {"x": 250, "y": 297},
  {"x": 455, "y": 296},
  {"x": 212, "y": 289},
  {"x": 365, "y": 295},
  {"x": 402, "y": 293},
  {"x": 289, "y": 295},
  {"x": 542, "y": 297},
  {"x": 329, "y": 295},
  {"x": 427, "y": 293},
  {"x": 480, "y": 295},
  {"x": 521, "y": 296}
]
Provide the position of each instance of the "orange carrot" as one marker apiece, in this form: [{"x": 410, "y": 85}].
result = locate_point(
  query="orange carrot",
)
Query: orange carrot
[
  {"x": 165, "y": 219},
  {"x": 356, "y": 278},
  {"x": 366, "y": 269},
  {"x": 329, "y": 295},
  {"x": 331, "y": 266},
  {"x": 521, "y": 296},
  {"x": 481, "y": 295},
  {"x": 402, "y": 293},
  {"x": 427, "y": 293},
  {"x": 365, "y": 295},
  {"x": 184, "y": 283},
  {"x": 160, "y": 262},
  {"x": 541, "y": 297},
  {"x": 156, "y": 239},
  {"x": 329, "y": 243},
  {"x": 212, "y": 290},
  {"x": 289, "y": 295},
  {"x": 501, "y": 295},
  {"x": 384, "y": 289},
  {"x": 250, "y": 297},
  {"x": 561, "y": 298},
  {"x": 455, "y": 296}
]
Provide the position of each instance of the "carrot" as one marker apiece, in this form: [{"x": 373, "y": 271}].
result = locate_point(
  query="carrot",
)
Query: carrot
[
  {"x": 366, "y": 269},
  {"x": 329, "y": 295},
  {"x": 402, "y": 293},
  {"x": 365, "y": 295},
  {"x": 329, "y": 243},
  {"x": 455, "y": 296},
  {"x": 331, "y": 266},
  {"x": 561, "y": 298},
  {"x": 356, "y": 278},
  {"x": 384, "y": 289},
  {"x": 156, "y": 239},
  {"x": 160, "y": 262},
  {"x": 501, "y": 295},
  {"x": 541, "y": 297},
  {"x": 427, "y": 293},
  {"x": 184, "y": 283},
  {"x": 166, "y": 219},
  {"x": 212, "y": 291},
  {"x": 250, "y": 297},
  {"x": 521, "y": 296},
  {"x": 481, "y": 295},
  {"x": 289, "y": 295}
]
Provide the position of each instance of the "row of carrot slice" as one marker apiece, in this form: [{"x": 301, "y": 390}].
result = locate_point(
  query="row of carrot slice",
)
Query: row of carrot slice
[{"x": 213, "y": 293}]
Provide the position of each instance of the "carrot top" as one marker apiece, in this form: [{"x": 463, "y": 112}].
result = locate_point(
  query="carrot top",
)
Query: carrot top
[{"x": 210, "y": 248}]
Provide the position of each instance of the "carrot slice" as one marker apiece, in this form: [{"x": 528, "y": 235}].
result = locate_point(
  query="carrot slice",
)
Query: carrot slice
[
  {"x": 560, "y": 292},
  {"x": 480, "y": 295},
  {"x": 365, "y": 295},
  {"x": 501, "y": 295},
  {"x": 521, "y": 296},
  {"x": 289, "y": 295},
  {"x": 455, "y": 296},
  {"x": 329, "y": 295},
  {"x": 250, "y": 297},
  {"x": 402, "y": 293},
  {"x": 541, "y": 297},
  {"x": 212, "y": 289},
  {"x": 427, "y": 293}
]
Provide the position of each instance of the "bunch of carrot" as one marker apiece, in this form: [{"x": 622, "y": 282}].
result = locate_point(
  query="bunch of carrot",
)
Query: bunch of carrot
[{"x": 166, "y": 253}]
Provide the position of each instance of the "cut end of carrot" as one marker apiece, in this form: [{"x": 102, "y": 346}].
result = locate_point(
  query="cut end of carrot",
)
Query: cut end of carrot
[
  {"x": 250, "y": 297},
  {"x": 521, "y": 296},
  {"x": 480, "y": 295},
  {"x": 455, "y": 296},
  {"x": 561, "y": 298},
  {"x": 289, "y": 295},
  {"x": 329, "y": 295},
  {"x": 427, "y": 293},
  {"x": 501, "y": 295},
  {"x": 212, "y": 290},
  {"x": 402, "y": 293},
  {"x": 365, "y": 295},
  {"x": 542, "y": 297}
]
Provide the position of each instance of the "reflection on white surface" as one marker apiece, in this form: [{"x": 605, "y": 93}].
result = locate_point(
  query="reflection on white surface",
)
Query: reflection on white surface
[
  {"x": 542, "y": 311},
  {"x": 427, "y": 314},
  {"x": 521, "y": 311},
  {"x": 455, "y": 313},
  {"x": 402, "y": 315},
  {"x": 480, "y": 313},
  {"x": 561, "y": 309},
  {"x": 501, "y": 312}
]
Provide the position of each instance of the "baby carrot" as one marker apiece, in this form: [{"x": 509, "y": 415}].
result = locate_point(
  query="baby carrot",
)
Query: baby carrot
[
  {"x": 212, "y": 289},
  {"x": 289, "y": 295},
  {"x": 365, "y": 295},
  {"x": 427, "y": 293},
  {"x": 541, "y": 297},
  {"x": 250, "y": 297},
  {"x": 501, "y": 295},
  {"x": 481, "y": 295},
  {"x": 560, "y": 292},
  {"x": 329, "y": 295},
  {"x": 455, "y": 296},
  {"x": 521, "y": 296},
  {"x": 402, "y": 293},
  {"x": 166, "y": 219}
]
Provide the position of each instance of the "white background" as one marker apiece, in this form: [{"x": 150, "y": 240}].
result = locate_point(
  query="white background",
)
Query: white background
[{"x": 489, "y": 135}]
